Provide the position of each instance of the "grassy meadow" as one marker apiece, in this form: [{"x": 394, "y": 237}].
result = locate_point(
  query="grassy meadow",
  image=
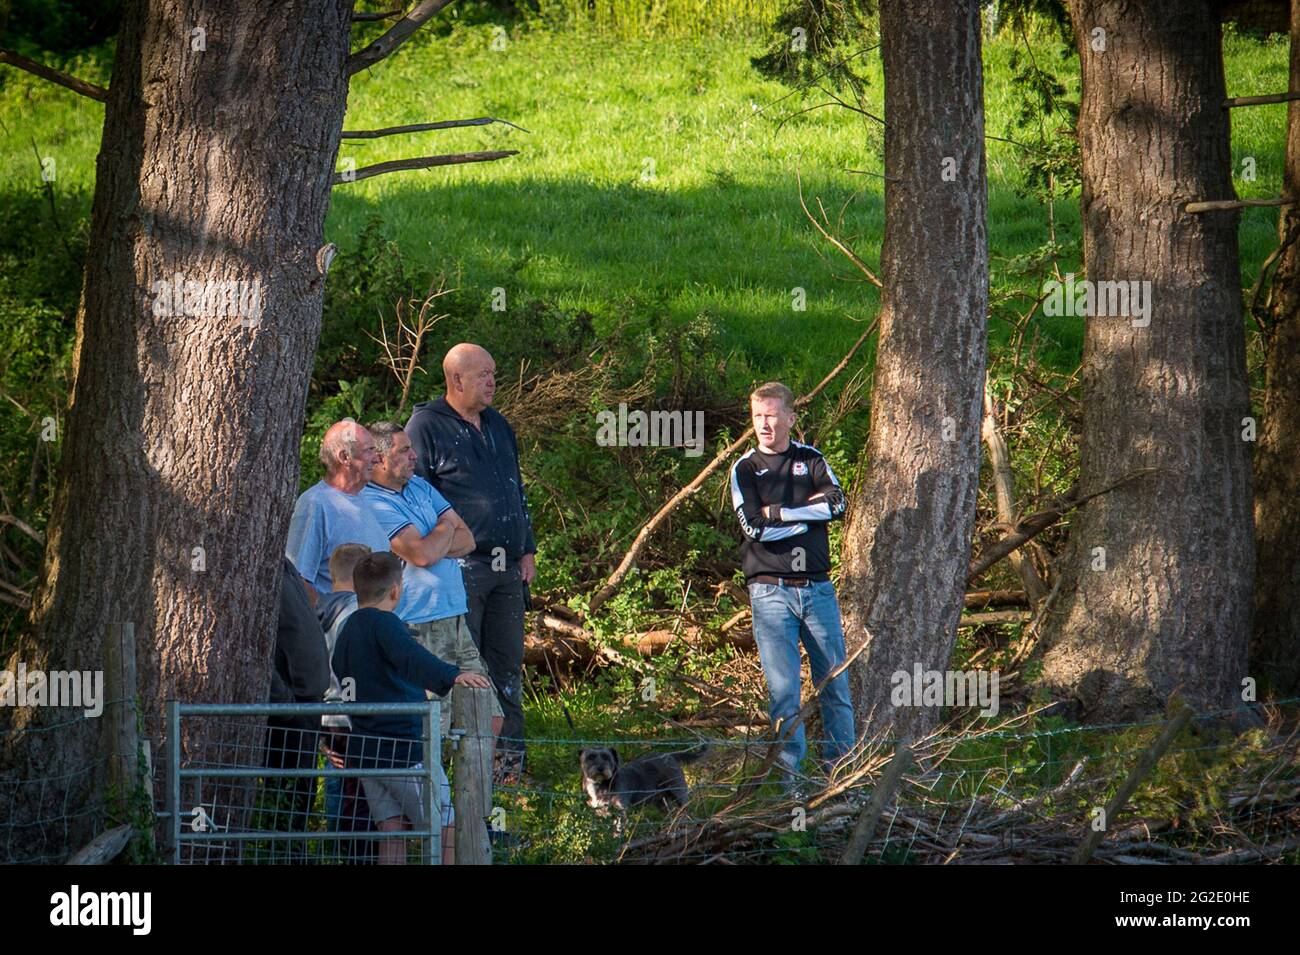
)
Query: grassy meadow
[{"x": 658, "y": 174}]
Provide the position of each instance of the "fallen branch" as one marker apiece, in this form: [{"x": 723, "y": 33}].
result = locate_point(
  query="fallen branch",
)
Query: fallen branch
[
  {"x": 104, "y": 848},
  {"x": 24, "y": 527},
  {"x": 369, "y": 17},
  {"x": 735, "y": 619},
  {"x": 575, "y": 632},
  {"x": 974, "y": 600},
  {"x": 423, "y": 127},
  {"x": 654, "y": 642},
  {"x": 420, "y": 162},
  {"x": 1005, "y": 494},
  {"x": 1223, "y": 205},
  {"x": 1258, "y": 854},
  {"x": 1036, "y": 827},
  {"x": 865, "y": 827},
  {"x": 1261, "y": 100},
  {"x": 615, "y": 580},
  {"x": 826, "y": 234},
  {"x": 23, "y": 602},
  {"x": 66, "y": 80},
  {"x": 1029, "y": 636},
  {"x": 395, "y": 36},
  {"x": 983, "y": 599},
  {"x": 1144, "y": 766},
  {"x": 571, "y": 644},
  {"x": 1027, "y": 528},
  {"x": 993, "y": 618}
]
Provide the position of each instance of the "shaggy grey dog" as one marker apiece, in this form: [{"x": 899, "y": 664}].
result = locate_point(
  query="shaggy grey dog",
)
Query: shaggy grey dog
[{"x": 649, "y": 779}]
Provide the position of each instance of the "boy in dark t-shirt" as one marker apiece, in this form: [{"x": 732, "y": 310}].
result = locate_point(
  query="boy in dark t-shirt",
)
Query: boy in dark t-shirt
[{"x": 387, "y": 665}]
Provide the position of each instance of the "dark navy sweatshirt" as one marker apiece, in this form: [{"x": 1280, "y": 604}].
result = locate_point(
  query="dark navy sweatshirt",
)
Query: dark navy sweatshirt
[
  {"x": 785, "y": 532},
  {"x": 478, "y": 472},
  {"x": 377, "y": 651}
]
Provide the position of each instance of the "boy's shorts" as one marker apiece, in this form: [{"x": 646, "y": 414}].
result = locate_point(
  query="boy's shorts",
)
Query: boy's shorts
[
  {"x": 390, "y": 796},
  {"x": 449, "y": 639}
]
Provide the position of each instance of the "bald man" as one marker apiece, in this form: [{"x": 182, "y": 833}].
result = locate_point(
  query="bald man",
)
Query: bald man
[
  {"x": 332, "y": 512},
  {"x": 468, "y": 452}
]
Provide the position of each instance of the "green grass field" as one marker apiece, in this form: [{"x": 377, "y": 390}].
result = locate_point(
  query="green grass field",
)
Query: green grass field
[{"x": 658, "y": 176}]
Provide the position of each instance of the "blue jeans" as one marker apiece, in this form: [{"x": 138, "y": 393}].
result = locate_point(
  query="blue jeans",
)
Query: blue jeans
[
  {"x": 782, "y": 617},
  {"x": 333, "y": 801}
]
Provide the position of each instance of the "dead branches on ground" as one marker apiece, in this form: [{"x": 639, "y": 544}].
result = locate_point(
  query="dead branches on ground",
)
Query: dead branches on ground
[
  {"x": 936, "y": 818},
  {"x": 615, "y": 580}
]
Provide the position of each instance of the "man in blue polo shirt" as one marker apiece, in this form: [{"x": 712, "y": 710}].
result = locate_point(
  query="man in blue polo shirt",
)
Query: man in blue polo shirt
[
  {"x": 332, "y": 512},
  {"x": 428, "y": 535}
]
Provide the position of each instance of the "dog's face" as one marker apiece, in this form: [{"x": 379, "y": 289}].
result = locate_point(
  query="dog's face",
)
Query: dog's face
[{"x": 599, "y": 765}]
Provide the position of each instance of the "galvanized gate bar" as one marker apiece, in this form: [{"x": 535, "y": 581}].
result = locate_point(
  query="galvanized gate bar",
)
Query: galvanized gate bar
[{"x": 429, "y": 835}]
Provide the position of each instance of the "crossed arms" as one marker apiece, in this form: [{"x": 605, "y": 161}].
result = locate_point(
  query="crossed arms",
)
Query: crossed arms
[
  {"x": 450, "y": 537},
  {"x": 772, "y": 522}
]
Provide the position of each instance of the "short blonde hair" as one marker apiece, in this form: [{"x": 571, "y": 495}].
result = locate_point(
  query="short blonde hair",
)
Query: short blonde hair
[
  {"x": 344, "y": 559},
  {"x": 774, "y": 389}
]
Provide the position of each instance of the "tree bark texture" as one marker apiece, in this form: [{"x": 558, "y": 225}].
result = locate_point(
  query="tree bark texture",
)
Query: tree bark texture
[
  {"x": 221, "y": 130},
  {"x": 908, "y": 542},
  {"x": 1157, "y": 578},
  {"x": 1275, "y": 652}
]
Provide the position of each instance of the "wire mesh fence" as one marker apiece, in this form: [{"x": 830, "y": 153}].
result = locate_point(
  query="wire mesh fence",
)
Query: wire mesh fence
[
  {"x": 243, "y": 791},
  {"x": 282, "y": 790},
  {"x": 992, "y": 795},
  {"x": 251, "y": 784},
  {"x": 46, "y": 813}
]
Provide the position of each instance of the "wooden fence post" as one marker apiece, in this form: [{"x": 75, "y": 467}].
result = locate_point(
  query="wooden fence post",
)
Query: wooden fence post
[
  {"x": 472, "y": 714},
  {"x": 1140, "y": 771},
  {"x": 121, "y": 739}
]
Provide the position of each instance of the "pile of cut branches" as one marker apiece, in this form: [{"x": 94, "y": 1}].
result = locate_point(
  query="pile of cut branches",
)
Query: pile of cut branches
[{"x": 929, "y": 820}]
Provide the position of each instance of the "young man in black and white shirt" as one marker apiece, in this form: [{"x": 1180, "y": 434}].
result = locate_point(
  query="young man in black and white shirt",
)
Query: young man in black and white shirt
[{"x": 785, "y": 494}]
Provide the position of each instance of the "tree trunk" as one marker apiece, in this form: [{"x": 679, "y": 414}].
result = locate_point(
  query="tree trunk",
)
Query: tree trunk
[
  {"x": 220, "y": 136},
  {"x": 1156, "y": 581},
  {"x": 907, "y": 545},
  {"x": 1275, "y": 654}
]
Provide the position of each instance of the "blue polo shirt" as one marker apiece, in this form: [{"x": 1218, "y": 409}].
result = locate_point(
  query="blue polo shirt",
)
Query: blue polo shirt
[
  {"x": 324, "y": 518},
  {"x": 429, "y": 593}
]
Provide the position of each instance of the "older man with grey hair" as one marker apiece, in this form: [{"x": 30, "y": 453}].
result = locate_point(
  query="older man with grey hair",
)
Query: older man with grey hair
[{"x": 332, "y": 512}]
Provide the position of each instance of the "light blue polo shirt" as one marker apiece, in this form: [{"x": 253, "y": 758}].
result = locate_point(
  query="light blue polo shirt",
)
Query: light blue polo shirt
[
  {"x": 324, "y": 518},
  {"x": 431, "y": 593}
]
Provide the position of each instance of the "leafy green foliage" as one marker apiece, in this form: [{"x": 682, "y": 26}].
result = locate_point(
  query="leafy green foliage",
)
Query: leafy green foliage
[
  {"x": 819, "y": 41},
  {"x": 1045, "y": 119},
  {"x": 37, "y": 26}
]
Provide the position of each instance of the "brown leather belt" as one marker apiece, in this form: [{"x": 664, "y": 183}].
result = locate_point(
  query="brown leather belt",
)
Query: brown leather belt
[{"x": 781, "y": 581}]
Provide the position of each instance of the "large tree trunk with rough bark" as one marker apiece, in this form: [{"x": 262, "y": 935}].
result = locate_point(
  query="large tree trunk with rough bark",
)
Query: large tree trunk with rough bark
[
  {"x": 180, "y": 459},
  {"x": 907, "y": 545},
  {"x": 1275, "y": 653},
  {"x": 1156, "y": 585}
]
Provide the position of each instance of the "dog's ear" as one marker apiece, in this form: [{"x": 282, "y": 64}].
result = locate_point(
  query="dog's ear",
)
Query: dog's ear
[{"x": 613, "y": 754}]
